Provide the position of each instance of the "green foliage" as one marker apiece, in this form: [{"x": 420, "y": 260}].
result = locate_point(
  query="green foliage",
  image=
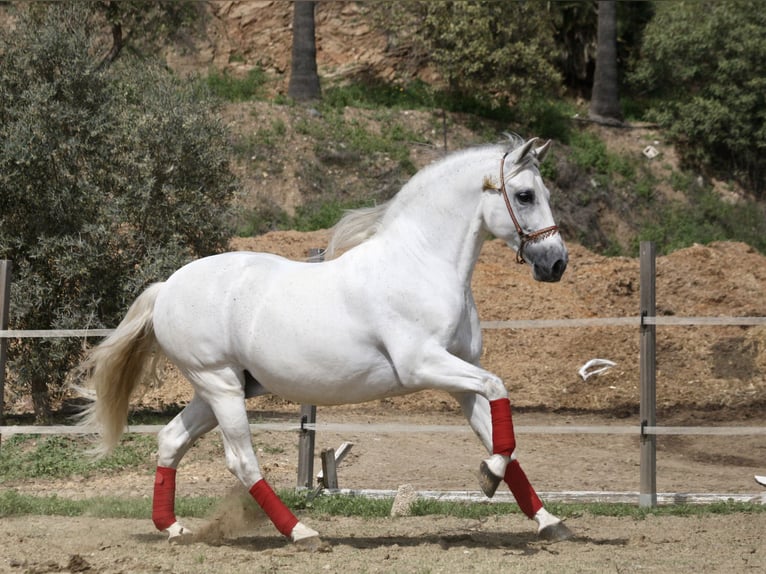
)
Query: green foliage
[
  {"x": 498, "y": 52},
  {"x": 501, "y": 49},
  {"x": 704, "y": 65},
  {"x": 338, "y": 138},
  {"x": 111, "y": 177},
  {"x": 589, "y": 152},
  {"x": 237, "y": 89},
  {"x": 148, "y": 24},
  {"x": 373, "y": 93},
  {"x": 546, "y": 118},
  {"x": 29, "y": 458},
  {"x": 704, "y": 218}
]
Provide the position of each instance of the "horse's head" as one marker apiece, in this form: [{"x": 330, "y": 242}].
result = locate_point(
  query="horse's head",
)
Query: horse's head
[{"x": 517, "y": 211}]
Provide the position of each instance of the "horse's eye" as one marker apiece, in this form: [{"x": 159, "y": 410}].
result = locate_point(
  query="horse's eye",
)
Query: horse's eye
[{"x": 526, "y": 196}]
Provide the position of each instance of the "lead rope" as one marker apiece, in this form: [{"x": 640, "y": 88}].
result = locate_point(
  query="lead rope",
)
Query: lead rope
[{"x": 524, "y": 238}]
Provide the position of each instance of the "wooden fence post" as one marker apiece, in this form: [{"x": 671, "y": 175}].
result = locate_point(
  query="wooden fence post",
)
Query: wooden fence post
[
  {"x": 329, "y": 472},
  {"x": 306, "y": 442},
  {"x": 648, "y": 373},
  {"x": 307, "y": 438},
  {"x": 5, "y": 301}
]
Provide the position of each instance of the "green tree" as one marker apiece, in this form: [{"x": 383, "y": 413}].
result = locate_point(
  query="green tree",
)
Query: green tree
[
  {"x": 144, "y": 23},
  {"x": 703, "y": 64},
  {"x": 499, "y": 52},
  {"x": 110, "y": 178}
]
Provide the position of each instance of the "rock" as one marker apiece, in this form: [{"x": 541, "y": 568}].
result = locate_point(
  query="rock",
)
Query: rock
[{"x": 405, "y": 498}]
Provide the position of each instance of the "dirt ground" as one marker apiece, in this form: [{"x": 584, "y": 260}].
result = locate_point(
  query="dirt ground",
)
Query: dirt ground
[
  {"x": 707, "y": 376},
  {"x": 711, "y": 543}
]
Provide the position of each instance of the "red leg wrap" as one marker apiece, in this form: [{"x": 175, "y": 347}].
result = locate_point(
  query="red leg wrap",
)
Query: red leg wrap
[
  {"x": 525, "y": 495},
  {"x": 503, "y": 439},
  {"x": 163, "y": 504},
  {"x": 274, "y": 508}
]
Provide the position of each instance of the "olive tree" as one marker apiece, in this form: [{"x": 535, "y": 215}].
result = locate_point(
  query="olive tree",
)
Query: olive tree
[{"x": 110, "y": 178}]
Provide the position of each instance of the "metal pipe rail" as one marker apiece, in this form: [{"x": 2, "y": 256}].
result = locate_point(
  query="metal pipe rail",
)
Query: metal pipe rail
[
  {"x": 664, "y": 321},
  {"x": 394, "y": 428}
]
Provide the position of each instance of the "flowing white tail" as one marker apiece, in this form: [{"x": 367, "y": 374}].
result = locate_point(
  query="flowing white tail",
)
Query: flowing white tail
[{"x": 115, "y": 368}]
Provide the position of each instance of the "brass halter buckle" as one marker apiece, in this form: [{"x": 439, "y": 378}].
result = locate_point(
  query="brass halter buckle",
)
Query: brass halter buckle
[{"x": 524, "y": 237}]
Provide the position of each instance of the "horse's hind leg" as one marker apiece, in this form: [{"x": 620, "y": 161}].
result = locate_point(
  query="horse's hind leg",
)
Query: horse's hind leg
[
  {"x": 479, "y": 414},
  {"x": 173, "y": 442},
  {"x": 224, "y": 392}
]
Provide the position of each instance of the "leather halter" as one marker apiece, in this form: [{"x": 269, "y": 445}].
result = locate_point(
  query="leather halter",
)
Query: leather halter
[{"x": 524, "y": 238}]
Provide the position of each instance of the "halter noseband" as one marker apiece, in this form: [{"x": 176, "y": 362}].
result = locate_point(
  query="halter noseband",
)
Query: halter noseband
[{"x": 524, "y": 238}]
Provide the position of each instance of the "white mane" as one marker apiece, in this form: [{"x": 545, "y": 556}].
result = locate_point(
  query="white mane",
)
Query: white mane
[{"x": 358, "y": 225}]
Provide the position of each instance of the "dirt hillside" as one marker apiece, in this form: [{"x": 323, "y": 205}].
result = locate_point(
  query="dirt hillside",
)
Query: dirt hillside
[{"x": 242, "y": 34}]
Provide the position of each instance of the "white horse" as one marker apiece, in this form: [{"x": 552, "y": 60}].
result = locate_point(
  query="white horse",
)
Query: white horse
[{"x": 393, "y": 314}]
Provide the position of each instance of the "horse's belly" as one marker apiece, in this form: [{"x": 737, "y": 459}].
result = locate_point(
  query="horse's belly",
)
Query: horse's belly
[
  {"x": 319, "y": 385},
  {"x": 321, "y": 362}
]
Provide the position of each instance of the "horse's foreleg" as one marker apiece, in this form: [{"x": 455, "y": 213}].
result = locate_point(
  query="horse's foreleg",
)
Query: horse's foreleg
[
  {"x": 492, "y": 422},
  {"x": 493, "y": 469},
  {"x": 173, "y": 442}
]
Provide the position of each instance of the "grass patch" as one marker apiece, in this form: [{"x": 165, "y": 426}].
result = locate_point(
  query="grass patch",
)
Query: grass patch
[
  {"x": 334, "y": 135},
  {"x": 237, "y": 89},
  {"x": 372, "y": 93},
  {"x": 589, "y": 153},
  {"x": 13, "y": 503},
  {"x": 28, "y": 457},
  {"x": 704, "y": 219}
]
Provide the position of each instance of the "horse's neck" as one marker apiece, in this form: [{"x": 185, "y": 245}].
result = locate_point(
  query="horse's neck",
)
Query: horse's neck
[{"x": 439, "y": 215}]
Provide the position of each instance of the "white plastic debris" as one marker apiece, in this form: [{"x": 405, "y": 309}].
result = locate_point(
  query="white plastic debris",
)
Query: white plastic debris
[
  {"x": 650, "y": 152},
  {"x": 594, "y": 367},
  {"x": 760, "y": 480}
]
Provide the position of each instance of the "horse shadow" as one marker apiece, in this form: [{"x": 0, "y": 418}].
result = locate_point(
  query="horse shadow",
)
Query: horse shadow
[{"x": 526, "y": 544}]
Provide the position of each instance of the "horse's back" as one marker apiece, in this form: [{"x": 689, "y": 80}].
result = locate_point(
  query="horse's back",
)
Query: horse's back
[{"x": 201, "y": 304}]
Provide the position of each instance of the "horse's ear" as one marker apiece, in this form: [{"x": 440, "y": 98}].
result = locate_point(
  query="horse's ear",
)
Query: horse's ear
[
  {"x": 541, "y": 151},
  {"x": 520, "y": 152}
]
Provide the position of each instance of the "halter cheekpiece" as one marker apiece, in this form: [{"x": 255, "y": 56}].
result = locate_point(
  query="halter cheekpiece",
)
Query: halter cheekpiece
[{"x": 524, "y": 238}]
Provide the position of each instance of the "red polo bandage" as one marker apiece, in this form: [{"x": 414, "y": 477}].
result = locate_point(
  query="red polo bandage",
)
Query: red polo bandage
[
  {"x": 274, "y": 508},
  {"x": 522, "y": 490},
  {"x": 163, "y": 503},
  {"x": 503, "y": 439}
]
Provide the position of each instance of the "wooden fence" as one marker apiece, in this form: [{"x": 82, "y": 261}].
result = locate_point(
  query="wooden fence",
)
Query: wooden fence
[{"x": 646, "y": 322}]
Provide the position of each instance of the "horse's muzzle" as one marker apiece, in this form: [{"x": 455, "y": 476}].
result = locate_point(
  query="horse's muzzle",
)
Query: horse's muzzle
[{"x": 550, "y": 269}]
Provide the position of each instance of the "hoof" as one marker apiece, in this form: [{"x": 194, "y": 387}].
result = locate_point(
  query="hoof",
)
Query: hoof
[
  {"x": 312, "y": 544},
  {"x": 555, "y": 532},
  {"x": 178, "y": 534},
  {"x": 487, "y": 480}
]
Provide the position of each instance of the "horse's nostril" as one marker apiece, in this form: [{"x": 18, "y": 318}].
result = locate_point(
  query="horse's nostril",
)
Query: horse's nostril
[{"x": 559, "y": 267}]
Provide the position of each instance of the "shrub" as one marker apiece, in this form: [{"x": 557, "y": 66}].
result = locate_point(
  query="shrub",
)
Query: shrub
[
  {"x": 704, "y": 65},
  {"x": 111, "y": 177}
]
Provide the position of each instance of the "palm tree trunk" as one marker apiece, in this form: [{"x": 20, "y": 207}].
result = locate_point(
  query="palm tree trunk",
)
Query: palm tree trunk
[
  {"x": 605, "y": 99},
  {"x": 304, "y": 79}
]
